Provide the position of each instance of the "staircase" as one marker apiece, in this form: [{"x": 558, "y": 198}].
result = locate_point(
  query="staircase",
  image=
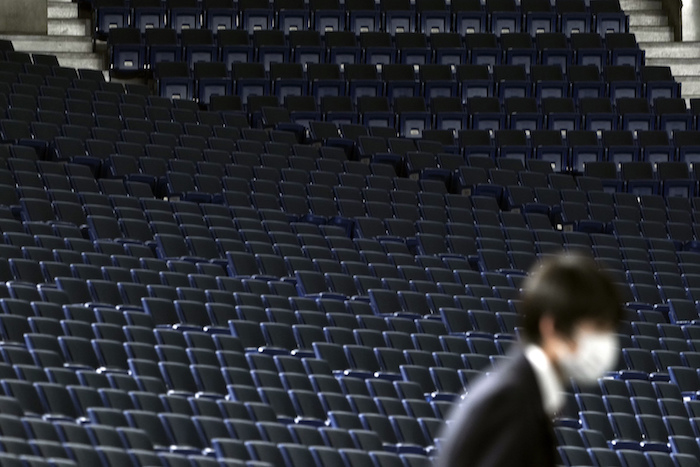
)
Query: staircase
[
  {"x": 650, "y": 24},
  {"x": 69, "y": 38}
]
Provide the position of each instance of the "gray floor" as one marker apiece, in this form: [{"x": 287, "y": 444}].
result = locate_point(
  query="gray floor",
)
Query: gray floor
[{"x": 691, "y": 20}]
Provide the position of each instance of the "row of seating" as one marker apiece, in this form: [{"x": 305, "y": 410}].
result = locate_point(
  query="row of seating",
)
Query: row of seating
[
  {"x": 351, "y": 195},
  {"x": 409, "y": 114},
  {"x": 21, "y": 452},
  {"x": 407, "y": 157},
  {"x": 443, "y": 130},
  {"x": 535, "y": 194},
  {"x": 577, "y": 455},
  {"x": 313, "y": 253},
  {"x": 425, "y": 242},
  {"x": 342, "y": 109},
  {"x": 652, "y": 146},
  {"x": 343, "y": 47},
  {"x": 207, "y": 416},
  {"x": 351, "y": 214},
  {"x": 651, "y": 168},
  {"x": 240, "y": 263},
  {"x": 560, "y": 115},
  {"x": 355, "y": 193},
  {"x": 39, "y": 70},
  {"x": 499, "y": 16},
  {"x": 397, "y": 81}
]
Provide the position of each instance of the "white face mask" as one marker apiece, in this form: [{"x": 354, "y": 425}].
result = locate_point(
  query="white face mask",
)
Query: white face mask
[{"x": 596, "y": 354}]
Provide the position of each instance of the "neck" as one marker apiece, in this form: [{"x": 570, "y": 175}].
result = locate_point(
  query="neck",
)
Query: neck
[{"x": 549, "y": 349}]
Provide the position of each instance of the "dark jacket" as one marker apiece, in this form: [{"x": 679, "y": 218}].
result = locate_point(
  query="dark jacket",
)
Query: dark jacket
[{"x": 502, "y": 423}]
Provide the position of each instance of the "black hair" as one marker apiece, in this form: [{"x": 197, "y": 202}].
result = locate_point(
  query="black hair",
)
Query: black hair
[{"x": 569, "y": 288}]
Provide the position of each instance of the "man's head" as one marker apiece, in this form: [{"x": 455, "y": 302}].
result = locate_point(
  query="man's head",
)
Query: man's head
[
  {"x": 571, "y": 310},
  {"x": 570, "y": 290}
]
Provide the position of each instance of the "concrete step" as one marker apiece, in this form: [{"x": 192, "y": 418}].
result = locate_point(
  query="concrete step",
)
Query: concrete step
[
  {"x": 652, "y": 33},
  {"x": 62, "y": 10},
  {"x": 661, "y": 50},
  {"x": 690, "y": 85},
  {"x": 89, "y": 61},
  {"x": 680, "y": 67},
  {"x": 633, "y": 5},
  {"x": 648, "y": 18},
  {"x": 69, "y": 27},
  {"x": 50, "y": 44}
]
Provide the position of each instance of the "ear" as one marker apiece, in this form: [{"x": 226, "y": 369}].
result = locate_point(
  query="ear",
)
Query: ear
[{"x": 553, "y": 338}]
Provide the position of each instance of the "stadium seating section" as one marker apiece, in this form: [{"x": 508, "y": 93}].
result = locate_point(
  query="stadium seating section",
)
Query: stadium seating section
[{"x": 304, "y": 243}]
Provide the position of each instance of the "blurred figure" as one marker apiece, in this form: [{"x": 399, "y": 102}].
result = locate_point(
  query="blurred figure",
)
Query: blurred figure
[{"x": 569, "y": 316}]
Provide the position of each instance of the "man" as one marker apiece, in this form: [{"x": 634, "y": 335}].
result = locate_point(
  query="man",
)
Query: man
[{"x": 570, "y": 312}]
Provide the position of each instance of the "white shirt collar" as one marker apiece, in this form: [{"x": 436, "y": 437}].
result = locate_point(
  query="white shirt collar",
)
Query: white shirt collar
[{"x": 551, "y": 388}]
